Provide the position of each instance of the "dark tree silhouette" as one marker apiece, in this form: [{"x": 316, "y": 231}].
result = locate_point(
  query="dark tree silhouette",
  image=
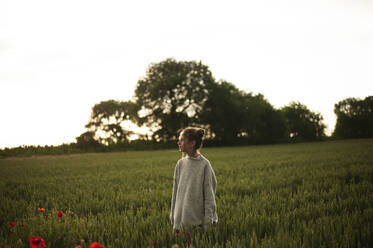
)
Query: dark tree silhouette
[
  {"x": 87, "y": 140},
  {"x": 107, "y": 118},
  {"x": 172, "y": 95},
  {"x": 303, "y": 124},
  {"x": 354, "y": 118},
  {"x": 232, "y": 114}
]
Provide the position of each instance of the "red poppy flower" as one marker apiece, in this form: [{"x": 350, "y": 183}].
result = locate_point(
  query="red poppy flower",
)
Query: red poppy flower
[
  {"x": 187, "y": 235},
  {"x": 12, "y": 224},
  {"x": 37, "y": 242},
  {"x": 41, "y": 210},
  {"x": 96, "y": 245},
  {"x": 151, "y": 243},
  {"x": 79, "y": 246},
  {"x": 22, "y": 225},
  {"x": 59, "y": 214}
]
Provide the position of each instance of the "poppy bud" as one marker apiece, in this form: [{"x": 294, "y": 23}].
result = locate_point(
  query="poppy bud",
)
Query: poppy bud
[{"x": 41, "y": 210}]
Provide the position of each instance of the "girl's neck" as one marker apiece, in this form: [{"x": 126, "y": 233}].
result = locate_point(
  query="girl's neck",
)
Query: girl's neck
[{"x": 193, "y": 154}]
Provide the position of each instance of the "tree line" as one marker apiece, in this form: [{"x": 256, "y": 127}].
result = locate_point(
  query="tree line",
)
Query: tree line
[{"x": 176, "y": 94}]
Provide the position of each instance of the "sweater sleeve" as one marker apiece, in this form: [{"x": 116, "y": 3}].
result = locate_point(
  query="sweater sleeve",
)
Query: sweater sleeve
[
  {"x": 209, "y": 190},
  {"x": 174, "y": 192}
]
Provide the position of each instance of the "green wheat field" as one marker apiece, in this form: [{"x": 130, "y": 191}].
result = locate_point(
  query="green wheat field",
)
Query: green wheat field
[{"x": 291, "y": 195}]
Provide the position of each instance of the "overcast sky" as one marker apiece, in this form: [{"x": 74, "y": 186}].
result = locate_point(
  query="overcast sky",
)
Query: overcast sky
[{"x": 59, "y": 58}]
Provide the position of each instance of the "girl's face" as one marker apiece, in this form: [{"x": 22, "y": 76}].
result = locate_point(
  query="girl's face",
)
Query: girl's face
[{"x": 184, "y": 144}]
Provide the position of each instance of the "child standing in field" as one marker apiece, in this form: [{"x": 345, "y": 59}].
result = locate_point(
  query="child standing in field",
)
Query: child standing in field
[{"x": 193, "y": 196}]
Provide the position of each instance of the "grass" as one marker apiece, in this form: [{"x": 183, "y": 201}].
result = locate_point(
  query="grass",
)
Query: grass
[{"x": 299, "y": 195}]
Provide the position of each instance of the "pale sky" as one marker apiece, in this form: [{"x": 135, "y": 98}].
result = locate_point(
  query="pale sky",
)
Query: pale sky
[{"x": 59, "y": 58}]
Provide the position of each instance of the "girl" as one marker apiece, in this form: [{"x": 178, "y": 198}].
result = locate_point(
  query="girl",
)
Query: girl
[{"x": 193, "y": 196}]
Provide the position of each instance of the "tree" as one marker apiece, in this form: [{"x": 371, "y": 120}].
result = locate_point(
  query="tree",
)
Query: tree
[
  {"x": 264, "y": 123},
  {"x": 107, "y": 120},
  {"x": 172, "y": 95},
  {"x": 223, "y": 112},
  {"x": 303, "y": 124},
  {"x": 354, "y": 118},
  {"x": 233, "y": 114},
  {"x": 86, "y": 141}
]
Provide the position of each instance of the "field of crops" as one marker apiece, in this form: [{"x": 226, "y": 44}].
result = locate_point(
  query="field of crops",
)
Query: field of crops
[{"x": 299, "y": 195}]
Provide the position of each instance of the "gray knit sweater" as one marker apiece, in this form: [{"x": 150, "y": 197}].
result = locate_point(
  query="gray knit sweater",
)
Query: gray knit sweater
[{"x": 193, "y": 195}]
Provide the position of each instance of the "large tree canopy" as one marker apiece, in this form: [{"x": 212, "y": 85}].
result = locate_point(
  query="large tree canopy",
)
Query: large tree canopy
[
  {"x": 171, "y": 95},
  {"x": 354, "y": 118},
  {"x": 303, "y": 124},
  {"x": 175, "y": 94},
  {"x": 107, "y": 120}
]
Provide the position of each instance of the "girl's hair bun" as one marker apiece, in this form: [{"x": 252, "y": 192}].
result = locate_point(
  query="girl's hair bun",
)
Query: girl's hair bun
[{"x": 201, "y": 132}]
